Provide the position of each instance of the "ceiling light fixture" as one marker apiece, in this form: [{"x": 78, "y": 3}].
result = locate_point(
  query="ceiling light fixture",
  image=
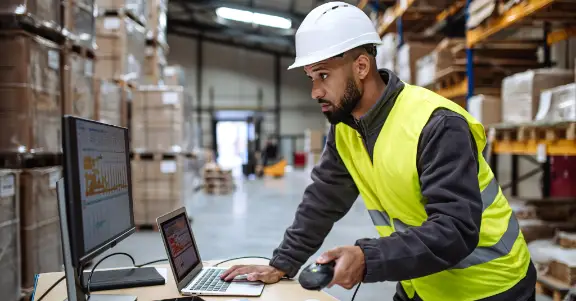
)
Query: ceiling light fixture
[{"x": 255, "y": 18}]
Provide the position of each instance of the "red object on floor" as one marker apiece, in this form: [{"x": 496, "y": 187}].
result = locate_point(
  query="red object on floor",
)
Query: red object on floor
[
  {"x": 299, "y": 159},
  {"x": 563, "y": 176}
]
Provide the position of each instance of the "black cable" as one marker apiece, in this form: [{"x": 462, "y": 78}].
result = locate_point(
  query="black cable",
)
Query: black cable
[
  {"x": 151, "y": 262},
  {"x": 98, "y": 263},
  {"x": 237, "y": 258},
  {"x": 51, "y": 288},
  {"x": 356, "y": 291}
]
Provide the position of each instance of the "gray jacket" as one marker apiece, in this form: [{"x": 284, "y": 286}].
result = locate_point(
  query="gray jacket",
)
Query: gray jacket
[{"x": 447, "y": 166}]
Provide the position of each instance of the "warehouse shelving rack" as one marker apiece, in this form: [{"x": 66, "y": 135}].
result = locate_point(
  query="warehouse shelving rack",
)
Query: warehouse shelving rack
[{"x": 519, "y": 140}]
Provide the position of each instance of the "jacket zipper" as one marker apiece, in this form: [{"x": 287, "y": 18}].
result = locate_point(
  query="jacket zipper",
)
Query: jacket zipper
[{"x": 363, "y": 136}]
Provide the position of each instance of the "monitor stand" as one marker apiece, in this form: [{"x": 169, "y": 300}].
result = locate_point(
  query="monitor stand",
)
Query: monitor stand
[
  {"x": 123, "y": 278},
  {"x": 73, "y": 291}
]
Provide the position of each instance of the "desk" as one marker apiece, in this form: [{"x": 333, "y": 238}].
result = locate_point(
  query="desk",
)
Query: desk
[{"x": 284, "y": 290}]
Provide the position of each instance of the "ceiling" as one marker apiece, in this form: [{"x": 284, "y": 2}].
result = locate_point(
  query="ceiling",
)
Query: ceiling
[{"x": 195, "y": 18}]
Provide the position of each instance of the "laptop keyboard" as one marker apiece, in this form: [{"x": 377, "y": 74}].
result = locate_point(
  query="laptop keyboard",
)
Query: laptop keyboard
[{"x": 211, "y": 282}]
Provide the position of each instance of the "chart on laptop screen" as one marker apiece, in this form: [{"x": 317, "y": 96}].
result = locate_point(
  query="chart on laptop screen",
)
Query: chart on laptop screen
[
  {"x": 103, "y": 182},
  {"x": 180, "y": 244}
]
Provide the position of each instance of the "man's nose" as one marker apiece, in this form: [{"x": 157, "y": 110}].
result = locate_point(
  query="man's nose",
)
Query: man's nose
[{"x": 318, "y": 93}]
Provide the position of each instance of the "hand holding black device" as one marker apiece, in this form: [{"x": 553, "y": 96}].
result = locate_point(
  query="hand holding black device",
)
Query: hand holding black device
[{"x": 317, "y": 276}]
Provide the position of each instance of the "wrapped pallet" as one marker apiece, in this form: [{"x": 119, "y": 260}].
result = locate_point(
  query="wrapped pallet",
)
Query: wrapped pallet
[
  {"x": 441, "y": 58},
  {"x": 80, "y": 21},
  {"x": 486, "y": 109},
  {"x": 407, "y": 57},
  {"x": 158, "y": 186},
  {"x": 79, "y": 94},
  {"x": 40, "y": 11},
  {"x": 386, "y": 52},
  {"x": 558, "y": 104},
  {"x": 10, "y": 233},
  {"x": 154, "y": 66},
  {"x": 157, "y": 119},
  {"x": 521, "y": 92},
  {"x": 157, "y": 20},
  {"x": 135, "y": 8},
  {"x": 121, "y": 48},
  {"x": 111, "y": 102},
  {"x": 30, "y": 109},
  {"x": 40, "y": 225}
]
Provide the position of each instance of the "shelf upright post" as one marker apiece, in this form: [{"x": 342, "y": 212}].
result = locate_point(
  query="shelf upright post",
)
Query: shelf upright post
[
  {"x": 469, "y": 60},
  {"x": 399, "y": 28}
]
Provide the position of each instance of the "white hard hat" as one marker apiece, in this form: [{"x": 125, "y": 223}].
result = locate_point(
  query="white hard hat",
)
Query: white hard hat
[{"x": 331, "y": 29}]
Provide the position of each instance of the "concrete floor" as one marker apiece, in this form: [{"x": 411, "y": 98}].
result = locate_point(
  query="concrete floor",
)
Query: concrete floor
[{"x": 251, "y": 222}]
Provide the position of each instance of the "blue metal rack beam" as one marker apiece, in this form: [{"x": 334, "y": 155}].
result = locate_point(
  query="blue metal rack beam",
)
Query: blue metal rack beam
[{"x": 469, "y": 61}]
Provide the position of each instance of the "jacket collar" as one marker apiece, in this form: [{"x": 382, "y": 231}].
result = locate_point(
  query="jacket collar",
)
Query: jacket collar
[{"x": 376, "y": 116}]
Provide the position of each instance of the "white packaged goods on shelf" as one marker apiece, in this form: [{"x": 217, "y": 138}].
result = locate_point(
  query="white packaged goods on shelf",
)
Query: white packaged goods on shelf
[
  {"x": 486, "y": 109},
  {"x": 386, "y": 52},
  {"x": 521, "y": 92},
  {"x": 558, "y": 104},
  {"x": 479, "y": 11},
  {"x": 407, "y": 57}
]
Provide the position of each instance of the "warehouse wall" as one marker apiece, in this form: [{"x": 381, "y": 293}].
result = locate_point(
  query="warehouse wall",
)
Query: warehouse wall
[{"x": 236, "y": 75}]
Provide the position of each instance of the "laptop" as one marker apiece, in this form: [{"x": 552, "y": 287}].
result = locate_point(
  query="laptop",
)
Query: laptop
[{"x": 192, "y": 278}]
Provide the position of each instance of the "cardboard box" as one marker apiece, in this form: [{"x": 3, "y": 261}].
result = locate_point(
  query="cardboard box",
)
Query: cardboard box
[
  {"x": 80, "y": 21},
  {"x": 407, "y": 57},
  {"x": 563, "y": 267},
  {"x": 38, "y": 199},
  {"x": 567, "y": 240},
  {"x": 111, "y": 103},
  {"x": 9, "y": 202},
  {"x": 486, "y": 109},
  {"x": 441, "y": 58},
  {"x": 535, "y": 229},
  {"x": 558, "y": 104},
  {"x": 157, "y": 20},
  {"x": 521, "y": 92},
  {"x": 79, "y": 94},
  {"x": 121, "y": 48},
  {"x": 137, "y": 8},
  {"x": 38, "y": 10},
  {"x": 41, "y": 250},
  {"x": 154, "y": 66},
  {"x": 313, "y": 141},
  {"x": 10, "y": 263},
  {"x": 158, "y": 119}
]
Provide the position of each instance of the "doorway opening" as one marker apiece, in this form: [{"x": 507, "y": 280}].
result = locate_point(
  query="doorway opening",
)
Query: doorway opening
[{"x": 232, "y": 144}]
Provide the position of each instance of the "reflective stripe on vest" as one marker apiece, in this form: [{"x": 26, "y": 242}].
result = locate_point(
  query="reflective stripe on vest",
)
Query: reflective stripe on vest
[{"x": 480, "y": 254}]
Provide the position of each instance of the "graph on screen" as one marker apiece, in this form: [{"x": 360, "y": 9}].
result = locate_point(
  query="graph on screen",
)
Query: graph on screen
[{"x": 105, "y": 174}]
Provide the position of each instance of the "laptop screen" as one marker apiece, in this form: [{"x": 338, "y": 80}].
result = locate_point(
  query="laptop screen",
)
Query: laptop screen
[{"x": 180, "y": 244}]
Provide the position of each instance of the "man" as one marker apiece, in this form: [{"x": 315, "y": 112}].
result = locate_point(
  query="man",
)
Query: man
[{"x": 447, "y": 232}]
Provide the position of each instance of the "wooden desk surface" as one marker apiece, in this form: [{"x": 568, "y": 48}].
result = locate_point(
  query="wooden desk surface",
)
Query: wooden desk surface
[{"x": 284, "y": 290}]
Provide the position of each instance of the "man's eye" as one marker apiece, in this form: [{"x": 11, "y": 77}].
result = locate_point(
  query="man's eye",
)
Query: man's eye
[{"x": 323, "y": 75}]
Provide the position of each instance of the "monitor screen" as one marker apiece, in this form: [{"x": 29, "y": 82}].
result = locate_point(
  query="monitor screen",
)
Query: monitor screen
[
  {"x": 97, "y": 177},
  {"x": 181, "y": 245}
]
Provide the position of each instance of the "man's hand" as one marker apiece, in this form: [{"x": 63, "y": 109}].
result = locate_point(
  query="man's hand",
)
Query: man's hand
[
  {"x": 350, "y": 265},
  {"x": 264, "y": 273}
]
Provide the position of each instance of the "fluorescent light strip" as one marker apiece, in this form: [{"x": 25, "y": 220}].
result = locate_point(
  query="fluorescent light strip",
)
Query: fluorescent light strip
[{"x": 256, "y": 18}]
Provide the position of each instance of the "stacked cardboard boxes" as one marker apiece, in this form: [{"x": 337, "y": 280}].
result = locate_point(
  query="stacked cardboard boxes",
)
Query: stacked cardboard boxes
[
  {"x": 78, "y": 88},
  {"x": 157, "y": 47},
  {"x": 40, "y": 225},
  {"x": 10, "y": 263},
  {"x": 407, "y": 57}
]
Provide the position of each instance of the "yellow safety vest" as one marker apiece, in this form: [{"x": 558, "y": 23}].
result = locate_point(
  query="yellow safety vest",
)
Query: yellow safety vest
[{"x": 390, "y": 189}]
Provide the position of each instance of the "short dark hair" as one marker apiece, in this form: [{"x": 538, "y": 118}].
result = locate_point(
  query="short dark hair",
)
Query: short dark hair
[{"x": 369, "y": 48}]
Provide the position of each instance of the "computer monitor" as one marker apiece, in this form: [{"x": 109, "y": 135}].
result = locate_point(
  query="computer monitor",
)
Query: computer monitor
[
  {"x": 97, "y": 186},
  {"x": 96, "y": 209}
]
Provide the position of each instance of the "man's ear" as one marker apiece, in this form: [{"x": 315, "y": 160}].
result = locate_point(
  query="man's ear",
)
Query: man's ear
[{"x": 362, "y": 66}]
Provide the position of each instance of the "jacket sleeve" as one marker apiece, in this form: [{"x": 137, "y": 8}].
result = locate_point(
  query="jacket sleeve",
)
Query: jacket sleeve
[
  {"x": 448, "y": 169},
  {"x": 329, "y": 197}
]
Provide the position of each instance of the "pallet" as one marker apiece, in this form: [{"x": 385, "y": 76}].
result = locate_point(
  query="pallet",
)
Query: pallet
[
  {"x": 155, "y": 156},
  {"x": 551, "y": 287},
  {"x": 28, "y": 23},
  {"x": 29, "y": 160},
  {"x": 537, "y": 131},
  {"x": 122, "y": 13},
  {"x": 85, "y": 52}
]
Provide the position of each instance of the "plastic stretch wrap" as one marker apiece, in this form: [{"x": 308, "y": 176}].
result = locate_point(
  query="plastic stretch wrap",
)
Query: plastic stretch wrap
[
  {"x": 158, "y": 119},
  {"x": 558, "y": 104},
  {"x": 41, "y": 243},
  {"x": 41, "y": 11},
  {"x": 521, "y": 92},
  {"x": 157, "y": 20},
  {"x": 80, "y": 21},
  {"x": 407, "y": 57},
  {"x": 79, "y": 96},
  {"x": 121, "y": 48},
  {"x": 9, "y": 232},
  {"x": 30, "y": 109},
  {"x": 110, "y": 100}
]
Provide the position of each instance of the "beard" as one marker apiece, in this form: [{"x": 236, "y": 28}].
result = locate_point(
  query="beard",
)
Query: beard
[{"x": 348, "y": 103}]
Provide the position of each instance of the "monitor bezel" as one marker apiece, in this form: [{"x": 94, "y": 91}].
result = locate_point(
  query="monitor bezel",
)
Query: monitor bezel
[{"x": 72, "y": 192}]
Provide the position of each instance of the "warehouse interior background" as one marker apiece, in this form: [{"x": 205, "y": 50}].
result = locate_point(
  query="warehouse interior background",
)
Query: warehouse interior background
[{"x": 203, "y": 87}]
